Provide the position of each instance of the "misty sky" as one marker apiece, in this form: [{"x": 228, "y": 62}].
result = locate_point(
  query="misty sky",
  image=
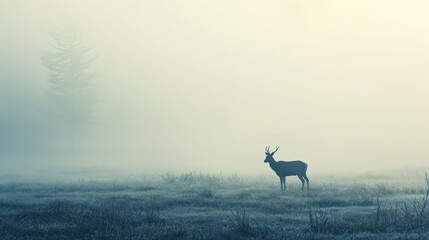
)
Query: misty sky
[{"x": 206, "y": 85}]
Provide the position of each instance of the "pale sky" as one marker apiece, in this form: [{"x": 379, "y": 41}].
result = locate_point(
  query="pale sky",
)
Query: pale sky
[{"x": 206, "y": 85}]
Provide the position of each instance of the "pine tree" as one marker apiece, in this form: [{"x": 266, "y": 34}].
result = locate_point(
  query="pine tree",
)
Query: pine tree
[{"x": 72, "y": 88}]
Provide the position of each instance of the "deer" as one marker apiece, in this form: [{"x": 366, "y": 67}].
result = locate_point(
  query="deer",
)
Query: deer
[{"x": 289, "y": 168}]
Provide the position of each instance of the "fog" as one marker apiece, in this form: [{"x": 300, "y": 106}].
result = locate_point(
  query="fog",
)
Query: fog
[{"x": 206, "y": 85}]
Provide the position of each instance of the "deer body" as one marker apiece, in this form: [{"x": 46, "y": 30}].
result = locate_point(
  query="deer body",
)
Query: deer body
[
  {"x": 290, "y": 168},
  {"x": 287, "y": 168}
]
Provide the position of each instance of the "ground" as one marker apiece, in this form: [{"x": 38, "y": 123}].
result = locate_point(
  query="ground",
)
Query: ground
[{"x": 204, "y": 206}]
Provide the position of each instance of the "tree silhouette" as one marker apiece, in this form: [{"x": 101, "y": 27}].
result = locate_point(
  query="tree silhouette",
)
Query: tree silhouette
[{"x": 72, "y": 88}]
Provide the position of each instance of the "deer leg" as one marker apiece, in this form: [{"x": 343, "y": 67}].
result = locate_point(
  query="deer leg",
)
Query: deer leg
[
  {"x": 281, "y": 184},
  {"x": 302, "y": 181},
  {"x": 284, "y": 183},
  {"x": 306, "y": 179}
]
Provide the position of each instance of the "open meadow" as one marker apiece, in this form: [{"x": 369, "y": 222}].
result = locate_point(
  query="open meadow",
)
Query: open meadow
[{"x": 204, "y": 206}]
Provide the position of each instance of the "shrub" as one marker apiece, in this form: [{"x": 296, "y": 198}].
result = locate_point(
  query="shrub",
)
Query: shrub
[
  {"x": 241, "y": 223},
  {"x": 318, "y": 220}
]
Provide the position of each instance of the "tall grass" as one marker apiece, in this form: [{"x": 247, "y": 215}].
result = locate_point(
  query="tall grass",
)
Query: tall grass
[
  {"x": 192, "y": 178},
  {"x": 198, "y": 206},
  {"x": 407, "y": 216}
]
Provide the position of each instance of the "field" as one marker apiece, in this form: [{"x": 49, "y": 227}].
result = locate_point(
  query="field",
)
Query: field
[{"x": 204, "y": 206}]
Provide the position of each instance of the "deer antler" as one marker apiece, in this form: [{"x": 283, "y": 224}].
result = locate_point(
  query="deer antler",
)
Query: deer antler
[
  {"x": 277, "y": 148},
  {"x": 267, "y": 149}
]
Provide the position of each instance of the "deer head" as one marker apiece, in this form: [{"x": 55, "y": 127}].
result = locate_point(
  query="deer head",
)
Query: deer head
[{"x": 269, "y": 155}]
